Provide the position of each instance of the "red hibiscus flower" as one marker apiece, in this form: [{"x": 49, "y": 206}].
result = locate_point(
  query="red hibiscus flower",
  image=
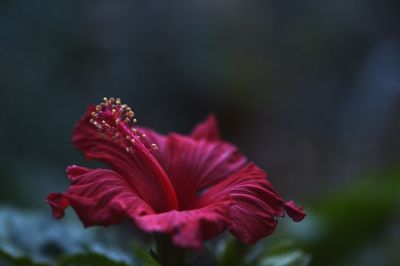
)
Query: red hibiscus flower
[{"x": 190, "y": 187}]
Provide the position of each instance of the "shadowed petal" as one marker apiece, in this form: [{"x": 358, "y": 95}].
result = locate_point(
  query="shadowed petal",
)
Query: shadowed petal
[
  {"x": 193, "y": 165},
  {"x": 208, "y": 129},
  {"x": 58, "y": 204},
  {"x": 255, "y": 203},
  {"x": 296, "y": 213},
  {"x": 132, "y": 161},
  {"x": 188, "y": 229},
  {"x": 99, "y": 197}
]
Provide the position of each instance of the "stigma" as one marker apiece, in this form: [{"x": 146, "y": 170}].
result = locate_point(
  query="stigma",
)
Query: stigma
[
  {"x": 115, "y": 121},
  {"x": 111, "y": 112}
]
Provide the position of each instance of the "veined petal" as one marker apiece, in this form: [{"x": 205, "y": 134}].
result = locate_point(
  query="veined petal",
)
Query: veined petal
[
  {"x": 188, "y": 229},
  {"x": 124, "y": 151},
  {"x": 193, "y": 165},
  {"x": 99, "y": 197},
  {"x": 255, "y": 203},
  {"x": 208, "y": 129}
]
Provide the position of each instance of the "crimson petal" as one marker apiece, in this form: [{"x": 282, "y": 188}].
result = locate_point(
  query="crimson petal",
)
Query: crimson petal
[
  {"x": 255, "y": 203},
  {"x": 296, "y": 213},
  {"x": 208, "y": 129},
  {"x": 193, "y": 165},
  {"x": 188, "y": 229},
  {"x": 58, "y": 204},
  {"x": 99, "y": 197},
  {"x": 140, "y": 169}
]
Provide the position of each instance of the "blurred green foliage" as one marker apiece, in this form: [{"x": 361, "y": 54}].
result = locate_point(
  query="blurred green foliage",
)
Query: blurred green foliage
[
  {"x": 354, "y": 216},
  {"x": 92, "y": 259},
  {"x": 8, "y": 260},
  {"x": 284, "y": 253},
  {"x": 87, "y": 259},
  {"x": 145, "y": 256},
  {"x": 234, "y": 253}
]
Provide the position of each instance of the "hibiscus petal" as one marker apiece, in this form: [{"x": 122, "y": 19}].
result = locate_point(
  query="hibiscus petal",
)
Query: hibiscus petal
[
  {"x": 99, "y": 197},
  {"x": 134, "y": 163},
  {"x": 195, "y": 162},
  {"x": 208, "y": 129},
  {"x": 255, "y": 203},
  {"x": 189, "y": 229},
  {"x": 193, "y": 165},
  {"x": 296, "y": 213},
  {"x": 58, "y": 204}
]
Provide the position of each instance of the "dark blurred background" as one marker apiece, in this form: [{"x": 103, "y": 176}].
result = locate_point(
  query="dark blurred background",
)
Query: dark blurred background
[{"x": 308, "y": 90}]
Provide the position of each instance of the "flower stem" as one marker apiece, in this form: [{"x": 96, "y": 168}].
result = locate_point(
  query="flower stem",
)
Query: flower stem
[{"x": 168, "y": 254}]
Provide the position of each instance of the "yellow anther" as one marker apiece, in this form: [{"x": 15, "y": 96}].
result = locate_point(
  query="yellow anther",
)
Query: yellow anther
[
  {"x": 105, "y": 123},
  {"x": 118, "y": 101},
  {"x": 154, "y": 146},
  {"x": 105, "y": 100}
]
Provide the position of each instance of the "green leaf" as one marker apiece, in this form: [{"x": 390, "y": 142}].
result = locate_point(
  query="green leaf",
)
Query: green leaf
[
  {"x": 234, "y": 253},
  {"x": 290, "y": 258},
  {"x": 90, "y": 259},
  {"x": 8, "y": 260},
  {"x": 284, "y": 253},
  {"x": 146, "y": 257}
]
